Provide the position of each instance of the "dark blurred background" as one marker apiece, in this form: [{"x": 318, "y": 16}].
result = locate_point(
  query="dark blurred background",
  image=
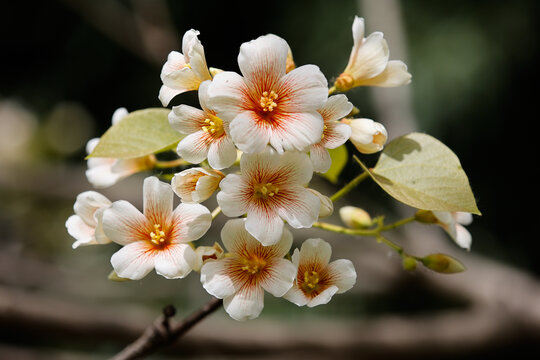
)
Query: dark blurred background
[{"x": 67, "y": 65}]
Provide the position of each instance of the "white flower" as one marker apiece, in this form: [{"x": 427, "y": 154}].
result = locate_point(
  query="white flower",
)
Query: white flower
[
  {"x": 105, "y": 172},
  {"x": 267, "y": 105},
  {"x": 317, "y": 280},
  {"x": 184, "y": 72},
  {"x": 194, "y": 185},
  {"x": 452, "y": 223},
  {"x": 368, "y": 64},
  {"x": 334, "y": 134},
  {"x": 157, "y": 238},
  {"x": 367, "y": 135},
  {"x": 270, "y": 189},
  {"x": 208, "y": 136},
  {"x": 241, "y": 277},
  {"x": 86, "y": 225}
]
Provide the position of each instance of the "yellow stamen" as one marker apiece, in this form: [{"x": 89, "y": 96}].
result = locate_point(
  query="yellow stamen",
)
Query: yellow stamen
[
  {"x": 324, "y": 129},
  {"x": 157, "y": 236},
  {"x": 265, "y": 189},
  {"x": 311, "y": 280},
  {"x": 214, "y": 126},
  {"x": 252, "y": 264},
  {"x": 267, "y": 100}
]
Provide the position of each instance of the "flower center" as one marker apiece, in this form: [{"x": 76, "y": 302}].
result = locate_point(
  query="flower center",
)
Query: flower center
[
  {"x": 267, "y": 100},
  {"x": 379, "y": 139},
  {"x": 324, "y": 129},
  {"x": 311, "y": 280},
  {"x": 265, "y": 190},
  {"x": 157, "y": 236},
  {"x": 214, "y": 126},
  {"x": 252, "y": 264}
]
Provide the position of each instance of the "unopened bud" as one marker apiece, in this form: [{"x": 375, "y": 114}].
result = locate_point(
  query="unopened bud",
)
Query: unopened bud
[
  {"x": 367, "y": 135},
  {"x": 195, "y": 185},
  {"x": 443, "y": 263},
  {"x": 409, "y": 263},
  {"x": 426, "y": 217},
  {"x": 355, "y": 217}
]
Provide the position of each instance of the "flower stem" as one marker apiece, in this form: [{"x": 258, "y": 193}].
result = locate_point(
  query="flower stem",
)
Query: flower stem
[
  {"x": 331, "y": 90},
  {"x": 216, "y": 212},
  {"x": 351, "y": 185},
  {"x": 170, "y": 164}
]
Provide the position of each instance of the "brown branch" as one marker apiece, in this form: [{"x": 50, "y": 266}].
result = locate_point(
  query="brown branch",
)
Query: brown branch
[{"x": 161, "y": 334}]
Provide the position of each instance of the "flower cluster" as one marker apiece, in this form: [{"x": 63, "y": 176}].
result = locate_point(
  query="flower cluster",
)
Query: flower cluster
[{"x": 277, "y": 122}]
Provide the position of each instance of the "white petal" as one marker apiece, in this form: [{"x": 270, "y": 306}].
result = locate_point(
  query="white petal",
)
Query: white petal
[
  {"x": 263, "y": 61},
  {"x": 260, "y": 164},
  {"x": 215, "y": 280},
  {"x": 463, "y": 237},
  {"x": 166, "y": 94},
  {"x": 463, "y": 218},
  {"x": 193, "y": 221},
  {"x": 358, "y": 28},
  {"x": 234, "y": 235},
  {"x": 175, "y": 261},
  {"x": 303, "y": 89},
  {"x": 296, "y": 296},
  {"x": 88, "y": 203},
  {"x": 371, "y": 58},
  {"x": 158, "y": 198},
  {"x": 189, "y": 40},
  {"x": 222, "y": 153},
  {"x": 336, "y": 135},
  {"x": 327, "y": 206},
  {"x": 100, "y": 236},
  {"x": 133, "y": 261},
  {"x": 193, "y": 147},
  {"x": 81, "y": 231},
  {"x": 301, "y": 209},
  {"x": 248, "y": 136},
  {"x": 320, "y": 158},
  {"x": 182, "y": 80},
  {"x": 100, "y": 173},
  {"x": 204, "y": 100},
  {"x": 122, "y": 221},
  {"x": 205, "y": 187},
  {"x": 265, "y": 226},
  {"x": 230, "y": 198},
  {"x": 91, "y": 145},
  {"x": 228, "y": 95},
  {"x": 294, "y": 168},
  {"x": 395, "y": 74},
  {"x": 315, "y": 251},
  {"x": 175, "y": 61},
  {"x": 197, "y": 61},
  {"x": 324, "y": 297},
  {"x": 281, "y": 277},
  {"x": 343, "y": 274},
  {"x": 186, "y": 119},
  {"x": 297, "y": 131},
  {"x": 336, "y": 108},
  {"x": 283, "y": 246},
  {"x": 245, "y": 304}
]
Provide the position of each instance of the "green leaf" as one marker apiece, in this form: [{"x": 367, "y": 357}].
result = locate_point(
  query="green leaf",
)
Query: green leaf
[
  {"x": 140, "y": 133},
  {"x": 339, "y": 156},
  {"x": 443, "y": 263},
  {"x": 422, "y": 172}
]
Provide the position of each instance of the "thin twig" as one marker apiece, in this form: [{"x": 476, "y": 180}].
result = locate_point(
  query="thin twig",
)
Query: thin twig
[{"x": 161, "y": 333}]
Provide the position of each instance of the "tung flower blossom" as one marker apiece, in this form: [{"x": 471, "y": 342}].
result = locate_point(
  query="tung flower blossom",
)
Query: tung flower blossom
[
  {"x": 208, "y": 136},
  {"x": 317, "y": 280},
  {"x": 334, "y": 133},
  {"x": 267, "y": 105},
  {"x": 452, "y": 223},
  {"x": 250, "y": 268},
  {"x": 195, "y": 185},
  {"x": 184, "y": 72},
  {"x": 157, "y": 238},
  {"x": 271, "y": 189},
  {"x": 368, "y": 64},
  {"x": 105, "y": 172},
  {"x": 86, "y": 225}
]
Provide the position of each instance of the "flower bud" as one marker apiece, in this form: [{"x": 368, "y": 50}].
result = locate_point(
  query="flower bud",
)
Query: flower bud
[
  {"x": 354, "y": 217},
  {"x": 327, "y": 206},
  {"x": 443, "y": 263},
  {"x": 195, "y": 185},
  {"x": 367, "y": 135},
  {"x": 409, "y": 263},
  {"x": 205, "y": 253}
]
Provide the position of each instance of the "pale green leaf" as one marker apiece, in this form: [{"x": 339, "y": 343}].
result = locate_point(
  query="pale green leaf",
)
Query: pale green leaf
[
  {"x": 339, "y": 156},
  {"x": 140, "y": 133},
  {"x": 422, "y": 172}
]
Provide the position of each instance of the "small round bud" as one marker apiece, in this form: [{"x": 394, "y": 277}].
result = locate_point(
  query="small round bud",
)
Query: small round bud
[
  {"x": 355, "y": 217},
  {"x": 367, "y": 135},
  {"x": 409, "y": 263},
  {"x": 443, "y": 263}
]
